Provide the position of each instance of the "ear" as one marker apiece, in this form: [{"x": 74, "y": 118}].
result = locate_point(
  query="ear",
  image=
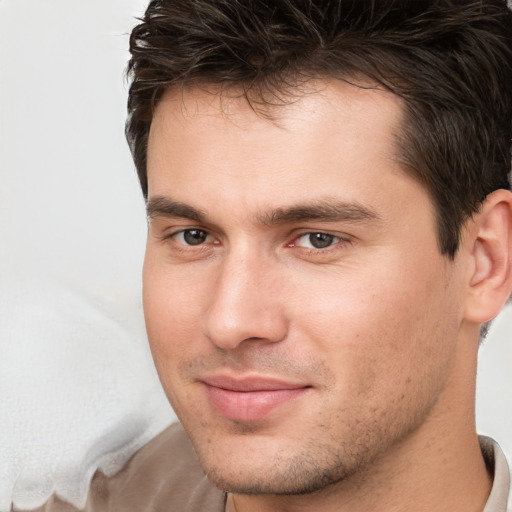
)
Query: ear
[{"x": 490, "y": 282}]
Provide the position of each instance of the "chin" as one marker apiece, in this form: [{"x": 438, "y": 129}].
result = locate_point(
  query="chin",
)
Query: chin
[
  {"x": 275, "y": 469},
  {"x": 295, "y": 478}
]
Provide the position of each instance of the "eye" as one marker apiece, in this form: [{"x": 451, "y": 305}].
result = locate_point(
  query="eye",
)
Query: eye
[
  {"x": 192, "y": 237},
  {"x": 316, "y": 240}
]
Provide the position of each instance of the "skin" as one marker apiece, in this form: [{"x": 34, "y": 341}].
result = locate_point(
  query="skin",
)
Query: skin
[{"x": 376, "y": 328}]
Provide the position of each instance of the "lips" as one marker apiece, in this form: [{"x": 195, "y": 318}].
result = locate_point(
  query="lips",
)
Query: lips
[{"x": 252, "y": 398}]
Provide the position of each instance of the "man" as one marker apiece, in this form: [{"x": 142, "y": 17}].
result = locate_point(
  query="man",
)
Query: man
[{"x": 330, "y": 225}]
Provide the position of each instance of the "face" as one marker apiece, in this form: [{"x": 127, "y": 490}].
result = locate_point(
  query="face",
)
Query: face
[{"x": 300, "y": 315}]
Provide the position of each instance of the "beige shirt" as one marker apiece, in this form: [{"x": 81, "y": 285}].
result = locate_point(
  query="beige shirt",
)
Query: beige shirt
[{"x": 165, "y": 476}]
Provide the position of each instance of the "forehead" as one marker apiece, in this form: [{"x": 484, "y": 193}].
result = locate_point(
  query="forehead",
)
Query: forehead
[{"x": 217, "y": 152}]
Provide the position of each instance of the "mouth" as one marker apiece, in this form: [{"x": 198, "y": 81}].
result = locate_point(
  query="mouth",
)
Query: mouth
[{"x": 250, "y": 399}]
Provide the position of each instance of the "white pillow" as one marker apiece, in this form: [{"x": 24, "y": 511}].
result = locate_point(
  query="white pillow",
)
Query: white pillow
[{"x": 78, "y": 390}]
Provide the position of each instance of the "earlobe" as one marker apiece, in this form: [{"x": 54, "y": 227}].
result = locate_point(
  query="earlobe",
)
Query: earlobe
[{"x": 490, "y": 282}]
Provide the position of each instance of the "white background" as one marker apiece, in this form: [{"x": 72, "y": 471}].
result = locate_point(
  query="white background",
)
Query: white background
[{"x": 76, "y": 378}]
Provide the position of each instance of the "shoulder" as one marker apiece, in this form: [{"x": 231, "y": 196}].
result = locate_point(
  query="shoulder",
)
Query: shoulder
[
  {"x": 169, "y": 453},
  {"x": 164, "y": 475}
]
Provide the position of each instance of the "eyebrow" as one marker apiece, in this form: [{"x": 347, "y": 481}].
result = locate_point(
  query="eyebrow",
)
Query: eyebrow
[
  {"x": 326, "y": 210},
  {"x": 160, "y": 206}
]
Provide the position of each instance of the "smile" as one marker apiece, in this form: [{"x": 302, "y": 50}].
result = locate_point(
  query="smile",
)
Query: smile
[{"x": 250, "y": 399}]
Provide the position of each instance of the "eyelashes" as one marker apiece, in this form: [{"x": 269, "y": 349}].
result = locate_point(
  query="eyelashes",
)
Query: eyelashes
[
  {"x": 316, "y": 240},
  {"x": 191, "y": 239}
]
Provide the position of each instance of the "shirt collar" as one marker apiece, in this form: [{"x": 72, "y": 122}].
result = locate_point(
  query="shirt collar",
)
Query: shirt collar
[{"x": 498, "y": 467}]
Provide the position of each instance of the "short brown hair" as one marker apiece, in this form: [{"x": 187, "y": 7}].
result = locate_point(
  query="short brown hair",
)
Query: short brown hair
[{"x": 449, "y": 60}]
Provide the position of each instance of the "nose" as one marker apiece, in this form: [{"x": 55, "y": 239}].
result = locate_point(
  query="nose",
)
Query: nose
[{"x": 246, "y": 304}]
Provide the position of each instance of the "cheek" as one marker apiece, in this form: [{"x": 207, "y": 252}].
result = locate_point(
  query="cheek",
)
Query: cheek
[
  {"x": 172, "y": 307},
  {"x": 379, "y": 332}
]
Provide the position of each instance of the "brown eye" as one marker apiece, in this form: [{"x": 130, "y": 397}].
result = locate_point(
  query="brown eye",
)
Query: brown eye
[
  {"x": 320, "y": 240},
  {"x": 192, "y": 236}
]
